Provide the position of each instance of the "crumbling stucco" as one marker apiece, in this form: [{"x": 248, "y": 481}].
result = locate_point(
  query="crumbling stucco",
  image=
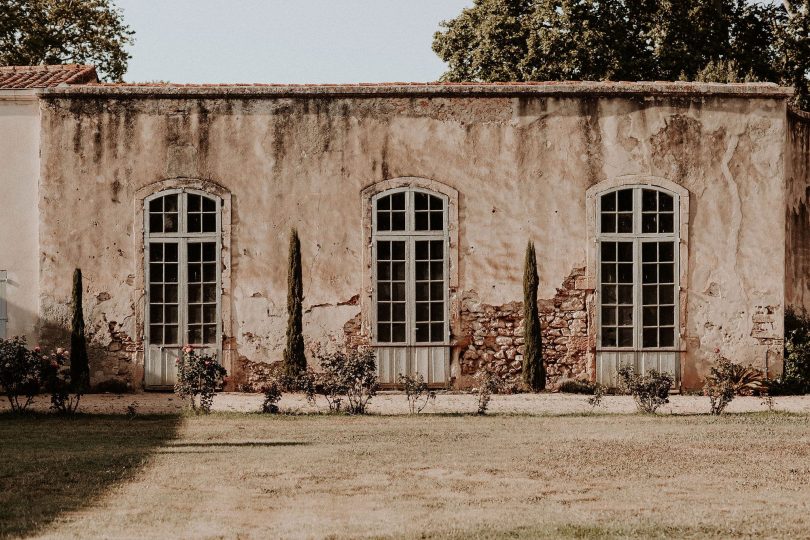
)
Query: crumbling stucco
[{"x": 520, "y": 164}]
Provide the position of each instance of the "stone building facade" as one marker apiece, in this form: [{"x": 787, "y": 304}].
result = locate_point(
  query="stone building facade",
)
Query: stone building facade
[{"x": 659, "y": 212}]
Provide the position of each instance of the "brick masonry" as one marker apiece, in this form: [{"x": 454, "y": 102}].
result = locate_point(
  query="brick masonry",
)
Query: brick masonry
[{"x": 492, "y": 336}]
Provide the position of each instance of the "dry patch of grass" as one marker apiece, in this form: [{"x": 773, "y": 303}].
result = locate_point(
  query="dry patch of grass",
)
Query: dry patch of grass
[
  {"x": 50, "y": 465},
  {"x": 463, "y": 476}
]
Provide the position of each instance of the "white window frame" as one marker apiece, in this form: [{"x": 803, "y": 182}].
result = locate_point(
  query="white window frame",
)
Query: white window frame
[
  {"x": 182, "y": 238},
  {"x": 637, "y": 237},
  {"x": 410, "y": 236}
]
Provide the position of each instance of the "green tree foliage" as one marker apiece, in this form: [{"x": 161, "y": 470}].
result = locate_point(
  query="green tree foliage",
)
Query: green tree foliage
[
  {"x": 295, "y": 361},
  {"x": 65, "y": 32},
  {"x": 630, "y": 40},
  {"x": 534, "y": 372},
  {"x": 79, "y": 362}
]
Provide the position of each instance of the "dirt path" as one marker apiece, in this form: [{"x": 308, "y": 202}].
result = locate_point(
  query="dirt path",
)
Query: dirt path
[{"x": 393, "y": 403}]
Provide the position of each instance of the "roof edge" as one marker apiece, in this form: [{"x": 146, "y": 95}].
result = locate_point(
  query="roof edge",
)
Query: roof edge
[{"x": 686, "y": 89}]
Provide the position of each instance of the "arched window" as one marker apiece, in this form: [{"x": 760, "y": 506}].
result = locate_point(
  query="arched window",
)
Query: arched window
[
  {"x": 410, "y": 254},
  {"x": 182, "y": 273},
  {"x": 638, "y": 247}
]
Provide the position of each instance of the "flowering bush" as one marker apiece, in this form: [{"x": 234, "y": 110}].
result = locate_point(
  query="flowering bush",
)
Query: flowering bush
[
  {"x": 20, "y": 372},
  {"x": 56, "y": 376},
  {"x": 199, "y": 376}
]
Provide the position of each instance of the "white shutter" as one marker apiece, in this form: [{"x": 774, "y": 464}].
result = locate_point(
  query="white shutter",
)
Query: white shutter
[{"x": 3, "y": 311}]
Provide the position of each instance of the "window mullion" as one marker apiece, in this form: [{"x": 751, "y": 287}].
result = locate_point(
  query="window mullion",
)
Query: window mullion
[
  {"x": 182, "y": 291},
  {"x": 410, "y": 294}
]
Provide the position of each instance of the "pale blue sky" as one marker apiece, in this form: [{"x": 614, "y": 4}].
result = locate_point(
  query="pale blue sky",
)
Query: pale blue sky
[{"x": 285, "y": 41}]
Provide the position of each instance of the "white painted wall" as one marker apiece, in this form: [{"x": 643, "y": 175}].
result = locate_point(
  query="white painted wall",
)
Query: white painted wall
[{"x": 19, "y": 230}]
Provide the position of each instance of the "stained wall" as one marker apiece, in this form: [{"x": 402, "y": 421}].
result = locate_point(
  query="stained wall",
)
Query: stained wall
[{"x": 521, "y": 165}]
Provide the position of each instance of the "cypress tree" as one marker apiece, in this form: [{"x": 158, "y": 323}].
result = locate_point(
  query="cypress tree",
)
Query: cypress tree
[
  {"x": 295, "y": 361},
  {"x": 534, "y": 372},
  {"x": 79, "y": 362}
]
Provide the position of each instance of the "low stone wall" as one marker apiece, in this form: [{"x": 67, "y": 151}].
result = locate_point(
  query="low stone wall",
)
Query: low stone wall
[{"x": 493, "y": 335}]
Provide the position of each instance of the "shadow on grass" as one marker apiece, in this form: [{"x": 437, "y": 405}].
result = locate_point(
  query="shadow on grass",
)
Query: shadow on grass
[{"x": 51, "y": 464}]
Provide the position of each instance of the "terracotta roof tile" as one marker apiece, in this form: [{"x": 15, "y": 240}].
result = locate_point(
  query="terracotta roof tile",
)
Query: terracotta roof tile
[{"x": 17, "y": 77}]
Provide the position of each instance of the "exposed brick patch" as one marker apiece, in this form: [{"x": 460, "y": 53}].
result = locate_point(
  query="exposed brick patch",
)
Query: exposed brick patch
[
  {"x": 353, "y": 332},
  {"x": 253, "y": 375},
  {"x": 492, "y": 336}
]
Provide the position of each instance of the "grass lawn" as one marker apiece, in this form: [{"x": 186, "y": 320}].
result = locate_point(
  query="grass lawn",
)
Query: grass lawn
[{"x": 229, "y": 475}]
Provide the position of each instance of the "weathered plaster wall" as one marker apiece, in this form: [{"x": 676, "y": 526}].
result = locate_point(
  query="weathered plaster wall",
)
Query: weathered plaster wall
[
  {"x": 19, "y": 175},
  {"x": 797, "y": 238},
  {"x": 521, "y": 166}
]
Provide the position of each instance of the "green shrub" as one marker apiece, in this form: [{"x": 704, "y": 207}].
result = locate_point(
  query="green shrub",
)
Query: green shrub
[
  {"x": 795, "y": 377},
  {"x": 416, "y": 392},
  {"x": 272, "y": 395},
  {"x": 112, "y": 386},
  {"x": 595, "y": 400},
  {"x": 199, "y": 376},
  {"x": 727, "y": 379},
  {"x": 577, "y": 386},
  {"x": 349, "y": 375},
  {"x": 20, "y": 372},
  {"x": 56, "y": 373},
  {"x": 487, "y": 383},
  {"x": 649, "y": 391}
]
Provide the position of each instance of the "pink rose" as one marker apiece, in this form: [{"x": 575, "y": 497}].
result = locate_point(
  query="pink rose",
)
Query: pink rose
[{"x": 60, "y": 350}]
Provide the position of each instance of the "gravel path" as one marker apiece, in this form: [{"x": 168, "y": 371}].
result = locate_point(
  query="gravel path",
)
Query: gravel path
[{"x": 388, "y": 403}]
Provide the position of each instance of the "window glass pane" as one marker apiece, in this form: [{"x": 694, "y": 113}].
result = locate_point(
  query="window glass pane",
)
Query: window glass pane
[
  {"x": 194, "y": 252},
  {"x": 625, "y": 294},
  {"x": 625, "y": 223},
  {"x": 420, "y": 201},
  {"x": 422, "y": 250},
  {"x": 437, "y": 332},
  {"x": 170, "y": 203},
  {"x": 436, "y": 221},
  {"x": 398, "y": 333},
  {"x": 156, "y": 223},
  {"x": 384, "y": 251},
  {"x": 666, "y": 251},
  {"x": 209, "y": 293},
  {"x": 422, "y": 270},
  {"x": 423, "y": 332},
  {"x": 609, "y": 294},
  {"x": 625, "y": 272},
  {"x": 195, "y": 313},
  {"x": 398, "y": 312},
  {"x": 210, "y": 333},
  {"x": 648, "y": 252},
  {"x": 437, "y": 290},
  {"x": 649, "y": 273},
  {"x": 665, "y": 202},
  {"x": 650, "y": 337},
  {"x": 437, "y": 311},
  {"x": 397, "y": 221},
  {"x": 608, "y": 316},
  {"x": 625, "y": 315},
  {"x": 383, "y": 311},
  {"x": 608, "y": 337},
  {"x": 156, "y": 205},
  {"x": 667, "y": 295},
  {"x": 209, "y": 205},
  {"x": 384, "y": 270},
  {"x": 422, "y": 291},
  {"x": 398, "y": 201},
  {"x": 422, "y": 221},
  {"x": 398, "y": 291},
  {"x": 436, "y": 203},
  {"x": 170, "y": 223},
  {"x": 384, "y": 203},
  {"x": 608, "y": 273},
  {"x": 666, "y": 273},
  {"x": 171, "y": 293},
  {"x": 422, "y": 311},
  {"x": 665, "y": 224},
  {"x": 666, "y": 337},
  {"x": 625, "y": 251},
  {"x": 666, "y": 315},
  {"x": 195, "y": 223},
  {"x": 383, "y": 221},
  {"x": 437, "y": 249},
  {"x": 155, "y": 252},
  {"x": 156, "y": 313},
  {"x": 384, "y": 333},
  {"x": 649, "y": 202},
  {"x": 625, "y": 200},
  {"x": 437, "y": 270},
  {"x": 609, "y": 202},
  {"x": 398, "y": 251},
  {"x": 625, "y": 337},
  {"x": 608, "y": 223},
  {"x": 649, "y": 223},
  {"x": 608, "y": 251},
  {"x": 210, "y": 313},
  {"x": 171, "y": 314},
  {"x": 170, "y": 335},
  {"x": 209, "y": 223},
  {"x": 156, "y": 293}
]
